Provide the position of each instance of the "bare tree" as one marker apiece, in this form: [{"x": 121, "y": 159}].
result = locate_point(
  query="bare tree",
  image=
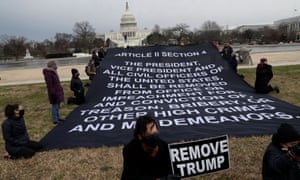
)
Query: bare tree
[
  {"x": 269, "y": 35},
  {"x": 84, "y": 35},
  {"x": 182, "y": 28},
  {"x": 248, "y": 34},
  {"x": 210, "y": 31},
  {"x": 14, "y": 46},
  {"x": 210, "y": 26},
  {"x": 156, "y": 38},
  {"x": 63, "y": 41}
]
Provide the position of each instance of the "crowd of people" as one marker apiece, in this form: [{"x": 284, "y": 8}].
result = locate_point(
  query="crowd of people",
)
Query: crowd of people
[
  {"x": 264, "y": 72},
  {"x": 93, "y": 64},
  {"x": 146, "y": 155},
  {"x": 17, "y": 141}
]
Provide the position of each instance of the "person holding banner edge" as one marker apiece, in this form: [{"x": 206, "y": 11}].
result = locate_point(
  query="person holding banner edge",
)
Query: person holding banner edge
[
  {"x": 282, "y": 156},
  {"x": 146, "y": 156}
]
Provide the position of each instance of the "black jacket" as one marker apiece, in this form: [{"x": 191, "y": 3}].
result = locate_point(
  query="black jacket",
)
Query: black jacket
[
  {"x": 15, "y": 134},
  {"x": 139, "y": 165},
  {"x": 264, "y": 74},
  {"x": 77, "y": 86},
  {"x": 227, "y": 52},
  {"x": 278, "y": 166}
]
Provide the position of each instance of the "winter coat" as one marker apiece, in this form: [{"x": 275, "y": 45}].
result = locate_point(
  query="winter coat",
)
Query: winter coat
[
  {"x": 278, "y": 166},
  {"x": 96, "y": 60},
  {"x": 77, "y": 87},
  {"x": 227, "y": 52},
  {"x": 139, "y": 165},
  {"x": 264, "y": 74},
  {"x": 55, "y": 90},
  {"x": 90, "y": 70},
  {"x": 15, "y": 135}
]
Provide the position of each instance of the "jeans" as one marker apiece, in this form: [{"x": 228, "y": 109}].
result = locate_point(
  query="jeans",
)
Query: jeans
[{"x": 55, "y": 112}]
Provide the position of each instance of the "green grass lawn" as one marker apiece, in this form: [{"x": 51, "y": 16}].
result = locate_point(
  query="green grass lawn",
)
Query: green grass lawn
[{"x": 106, "y": 163}]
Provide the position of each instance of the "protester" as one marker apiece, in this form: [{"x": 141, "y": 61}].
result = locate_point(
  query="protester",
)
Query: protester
[
  {"x": 90, "y": 70},
  {"x": 264, "y": 74},
  {"x": 77, "y": 88},
  {"x": 96, "y": 59},
  {"x": 55, "y": 90},
  {"x": 282, "y": 156},
  {"x": 101, "y": 53},
  {"x": 227, "y": 51},
  {"x": 215, "y": 45},
  {"x": 146, "y": 156},
  {"x": 17, "y": 141},
  {"x": 227, "y": 54},
  {"x": 233, "y": 62}
]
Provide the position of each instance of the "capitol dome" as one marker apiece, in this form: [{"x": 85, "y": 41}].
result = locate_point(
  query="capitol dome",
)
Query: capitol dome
[
  {"x": 128, "y": 23},
  {"x": 129, "y": 34}
]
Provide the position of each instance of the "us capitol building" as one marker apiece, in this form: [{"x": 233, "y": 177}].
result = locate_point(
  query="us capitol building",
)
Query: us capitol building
[{"x": 129, "y": 34}]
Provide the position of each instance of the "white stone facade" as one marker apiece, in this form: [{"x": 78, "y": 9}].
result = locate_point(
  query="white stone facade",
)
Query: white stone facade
[
  {"x": 292, "y": 25},
  {"x": 129, "y": 34}
]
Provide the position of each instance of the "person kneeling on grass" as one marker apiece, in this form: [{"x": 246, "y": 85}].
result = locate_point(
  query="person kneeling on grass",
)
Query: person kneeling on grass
[
  {"x": 17, "y": 142},
  {"x": 264, "y": 74},
  {"x": 77, "y": 87}
]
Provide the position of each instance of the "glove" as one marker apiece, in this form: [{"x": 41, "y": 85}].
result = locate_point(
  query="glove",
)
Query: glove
[{"x": 294, "y": 152}]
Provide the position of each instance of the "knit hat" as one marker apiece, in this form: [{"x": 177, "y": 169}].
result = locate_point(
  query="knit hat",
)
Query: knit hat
[
  {"x": 74, "y": 71},
  {"x": 286, "y": 133},
  {"x": 263, "y": 59}
]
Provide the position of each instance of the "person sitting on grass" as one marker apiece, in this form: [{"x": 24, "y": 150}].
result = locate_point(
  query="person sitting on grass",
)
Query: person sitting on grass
[
  {"x": 282, "y": 156},
  {"x": 17, "y": 141}
]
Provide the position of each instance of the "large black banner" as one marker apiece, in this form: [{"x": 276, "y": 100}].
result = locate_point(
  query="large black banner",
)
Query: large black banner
[{"x": 191, "y": 91}]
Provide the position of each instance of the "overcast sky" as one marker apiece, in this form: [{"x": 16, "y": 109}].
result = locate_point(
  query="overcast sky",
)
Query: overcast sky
[{"x": 42, "y": 19}]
